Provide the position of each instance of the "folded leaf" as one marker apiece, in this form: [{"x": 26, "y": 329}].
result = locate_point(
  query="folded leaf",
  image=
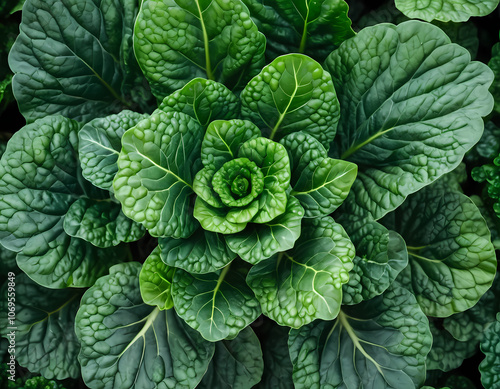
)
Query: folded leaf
[
  {"x": 452, "y": 261},
  {"x": 380, "y": 343},
  {"x": 293, "y": 93},
  {"x": 303, "y": 284},
  {"x": 156, "y": 167},
  {"x": 128, "y": 344},
  {"x": 175, "y": 41},
  {"x": 219, "y": 305},
  {"x": 155, "y": 281},
  {"x": 411, "y": 106}
]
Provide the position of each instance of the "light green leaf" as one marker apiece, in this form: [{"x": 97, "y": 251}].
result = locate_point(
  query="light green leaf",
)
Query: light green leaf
[
  {"x": 380, "y": 256},
  {"x": 101, "y": 222},
  {"x": 237, "y": 363},
  {"x": 490, "y": 366},
  {"x": 156, "y": 167},
  {"x": 39, "y": 181},
  {"x": 68, "y": 58},
  {"x": 202, "y": 252},
  {"x": 379, "y": 344},
  {"x": 100, "y": 144},
  {"x": 311, "y": 27},
  {"x": 215, "y": 39},
  {"x": 45, "y": 341},
  {"x": 260, "y": 241},
  {"x": 402, "y": 122},
  {"x": 155, "y": 281},
  {"x": 293, "y": 93},
  {"x": 216, "y": 219},
  {"x": 447, "y": 353},
  {"x": 223, "y": 139},
  {"x": 303, "y": 284},
  {"x": 446, "y": 10},
  {"x": 203, "y": 100},
  {"x": 277, "y": 364},
  {"x": 219, "y": 305},
  {"x": 128, "y": 344},
  {"x": 452, "y": 261}
]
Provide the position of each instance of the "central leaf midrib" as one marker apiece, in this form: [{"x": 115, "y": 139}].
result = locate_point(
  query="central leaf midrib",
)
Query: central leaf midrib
[
  {"x": 164, "y": 169},
  {"x": 206, "y": 41},
  {"x": 149, "y": 322},
  {"x": 356, "y": 147}
]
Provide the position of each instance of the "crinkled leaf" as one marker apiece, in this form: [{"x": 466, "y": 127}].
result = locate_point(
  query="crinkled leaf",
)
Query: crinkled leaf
[
  {"x": 204, "y": 100},
  {"x": 215, "y": 219},
  {"x": 39, "y": 181},
  {"x": 45, "y": 341},
  {"x": 156, "y": 167},
  {"x": 155, "y": 281},
  {"x": 7, "y": 262},
  {"x": 101, "y": 223},
  {"x": 491, "y": 218},
  {"x": 452, "y": 261},
  {"x": 447, "y": 353},
  {"x": 237, "y": 363},
  {"x": 380, "y": 343},
  {"x": 488, "y": 146},
  {"x": 471, "y": 324},
  {"x": 277, "y": 364},
  {"x": 202, "y": 252},
  {"x": 490, "y": 366},
  {"x": 402, "y": 122},
  {"x": 100, "y": 144},
  {"x": 446, "y": 10},
  {"x": 260, "y": 241},
  {"x": 293, "y": 93},
  {"x": 380, "y": 256},
  {"x": 223, "y": 139},
  {"x": 305, "y": 283},
  {"x": 68, "y": 58},
  {"x": 128, "y": 344},
  {"x": 311, "y": 27},
  {"x": 176, "y": 41},
  {"x": 219, "y": 305}
]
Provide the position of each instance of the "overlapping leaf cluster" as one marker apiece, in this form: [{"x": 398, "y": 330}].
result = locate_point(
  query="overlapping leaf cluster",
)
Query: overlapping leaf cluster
[{"x": 291, "y": 170}]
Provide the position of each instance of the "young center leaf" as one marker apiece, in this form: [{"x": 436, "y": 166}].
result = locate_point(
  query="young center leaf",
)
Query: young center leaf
[
  {"x": 452, "y": 261},
  {"x": 402, "y": 122},
  {"x": 156, "y": 167},
  {"x": 293, "y": 93},
  {"x": 380, "y": 343},
  {"x": 219, "y": 305},
  {"x": 300, "y": 285},
  {"x": 177, "y": 41},
  {"x": 128, "y": 344}
]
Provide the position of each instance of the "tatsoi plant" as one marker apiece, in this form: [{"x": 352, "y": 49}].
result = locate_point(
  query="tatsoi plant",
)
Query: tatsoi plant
[{"x": 287, "y": 213}]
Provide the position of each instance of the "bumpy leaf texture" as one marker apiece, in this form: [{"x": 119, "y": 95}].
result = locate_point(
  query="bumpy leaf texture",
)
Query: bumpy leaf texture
[{"x": 490, "y": 366}]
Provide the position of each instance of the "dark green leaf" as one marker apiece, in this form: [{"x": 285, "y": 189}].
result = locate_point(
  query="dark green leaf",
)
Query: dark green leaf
[
  {"x": 202, "y": 252},
  {"x": 305, "y": 283},
  {"x": 490, "y": 366},
  {"x": 39, "y": 181},
  {"x": 128, "y": 344},
  {"x": 156, "y": 167},
  {"x": 452, "y": 261},
  {"x": 293, "y": 93},
  {"x": 219, "y": 305},
  {"x": 237, "y": 363},
  {"x": 378, "y": 344},
  {"x": 494, "y": 64},
  {"x": 68, "y": 58},
  {"x": 402, "y": 122},
  {"x": 216, "y": 39},
  {"x": 100, "y": 144},
  {"x": 44, "y": 340}
]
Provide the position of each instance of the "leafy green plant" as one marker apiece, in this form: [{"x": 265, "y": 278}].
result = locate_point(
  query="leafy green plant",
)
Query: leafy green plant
[{"x": 296, "y": 223}]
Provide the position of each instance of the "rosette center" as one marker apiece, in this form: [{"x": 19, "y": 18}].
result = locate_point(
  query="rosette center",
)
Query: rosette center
[{"x": 238, "y": 182}]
